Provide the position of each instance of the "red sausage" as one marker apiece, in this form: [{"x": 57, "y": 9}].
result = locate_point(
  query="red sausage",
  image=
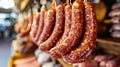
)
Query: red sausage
[
  {"x": 68, "y": 13},
  {"x": 41, "y": 25},
  {"x": 86, "y": 46},
  {"x": 34, "y": 26},
  {"x": 48, "y": 25},
  {"x": 76, "y": 29},
  {"x": 57, "y": 32}
]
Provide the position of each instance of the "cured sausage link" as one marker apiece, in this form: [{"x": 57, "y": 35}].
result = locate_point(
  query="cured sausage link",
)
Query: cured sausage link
[
  {"x": 57, "y": 32},
  {"x": 84, "y": 49},
  {"x": 48, "y": 26},
  {"x": 34, "y": 26},
  {"x": 68, "y": 13},
  {"x": 72, "y": 39},
  {"x": 41, "y": 25}
]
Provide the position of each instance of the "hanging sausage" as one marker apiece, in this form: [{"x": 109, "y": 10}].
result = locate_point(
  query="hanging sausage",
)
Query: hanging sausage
[{"x": 67, "y": 30}]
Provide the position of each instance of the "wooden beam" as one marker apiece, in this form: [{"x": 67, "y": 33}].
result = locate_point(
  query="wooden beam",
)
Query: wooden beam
[
  {"x": 24, "y": 4},
  {"x": 110, "y": 45}
]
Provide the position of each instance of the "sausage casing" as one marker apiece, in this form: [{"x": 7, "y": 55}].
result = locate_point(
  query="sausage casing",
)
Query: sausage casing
[
  {"x": 57, "y": 32},
  {"x": 41, "y": 25},
  {"x": 48, "y": 26},
  {"x": 34, "y": 26},
  {"x": 76, "y": 29},
  {"x": 89, "y": 39},
  {"x": 68, "y": 13}
]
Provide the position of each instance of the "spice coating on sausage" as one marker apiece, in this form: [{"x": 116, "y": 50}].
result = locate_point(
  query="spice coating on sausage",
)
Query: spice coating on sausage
[
  {"x": 77, "y": 55},
  {"x": 76, "y": 29},
  {"x": 57, "y": 32},
  {"x": 34, "y": 26},
  {"x": 41, "y": 25},
  {"x": 68, "y": 13},
  {"x": 54, "y": 54},
  {"x": 48, "y": 26}
]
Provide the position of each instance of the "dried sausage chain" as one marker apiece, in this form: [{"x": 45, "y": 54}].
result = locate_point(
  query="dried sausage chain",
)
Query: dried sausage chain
[
  {"x": 34, "y": 26},
  {"x": 84, "y": 49},
  {"x": 67, "y": 31},
  {"x": 25, "y": 29}
]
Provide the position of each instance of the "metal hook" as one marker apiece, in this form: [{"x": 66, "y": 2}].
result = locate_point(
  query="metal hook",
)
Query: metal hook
[
  {"x": 85, "y": 0},
  {"x": 70, "y": 1},
  {"x": 55, "y": 3},
  {"x": 43, "y": 2}
]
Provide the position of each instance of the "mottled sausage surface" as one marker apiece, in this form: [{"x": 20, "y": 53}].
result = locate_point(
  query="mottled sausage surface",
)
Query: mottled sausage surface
[
  {"x": 34, "y": 26},
  {"x": 48, "y": 25},
  {"x": 88, "y": 41},
  {"x": 76, "y": 29},
  {"x": 68, "y": 14},
  {"x": 41, "y": 25},
  {"x": 57, "y": 32}
]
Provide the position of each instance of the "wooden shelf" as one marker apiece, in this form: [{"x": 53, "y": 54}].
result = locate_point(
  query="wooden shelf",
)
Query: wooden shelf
[{"x": 110, "y": 45}]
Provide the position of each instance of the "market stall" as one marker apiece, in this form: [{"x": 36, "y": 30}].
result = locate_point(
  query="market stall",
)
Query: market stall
[{"x": 67, "y": 33}]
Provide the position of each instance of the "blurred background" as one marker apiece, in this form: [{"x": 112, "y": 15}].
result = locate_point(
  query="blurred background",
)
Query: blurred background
[
  {"x": 7, "y": 34},
  {"x": 11, "y": 11}
]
